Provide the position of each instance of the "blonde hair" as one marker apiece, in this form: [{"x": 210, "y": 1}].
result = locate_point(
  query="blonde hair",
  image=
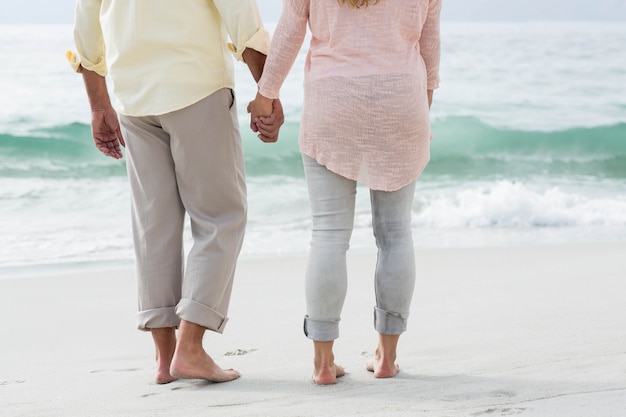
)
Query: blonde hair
[{"x": 357, "y": 4}]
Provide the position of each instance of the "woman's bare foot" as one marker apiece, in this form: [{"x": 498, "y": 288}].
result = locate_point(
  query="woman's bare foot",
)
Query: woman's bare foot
[
  {"x": 327, "y": 375},
  {"x": 165, "y": 344},
  {"x": 326, "y": 371},
  {"x": 383, "y": 364},
  {"x": 190, "y": 361},
  {"x": 382, "y": 368}
]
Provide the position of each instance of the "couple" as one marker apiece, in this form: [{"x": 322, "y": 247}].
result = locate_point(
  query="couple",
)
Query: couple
[{"x": 370, "y": 73}]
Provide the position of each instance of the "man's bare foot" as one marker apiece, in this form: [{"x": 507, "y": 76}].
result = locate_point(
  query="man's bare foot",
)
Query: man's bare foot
[
  {"x": 163, "y": 375},
  {"x": 190, "y": 361},
  {"x": 165, "y": 344},
  {"x": 199, "y": 365},
  {"x": 327, "y": 375},
  {"x": 382, "y": 368}
]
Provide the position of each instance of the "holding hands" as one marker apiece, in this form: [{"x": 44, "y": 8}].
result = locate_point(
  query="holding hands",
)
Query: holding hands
[{"x": 266, "y": 117}]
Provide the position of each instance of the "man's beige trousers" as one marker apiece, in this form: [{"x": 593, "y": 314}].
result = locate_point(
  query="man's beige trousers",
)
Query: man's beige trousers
[{"x": 188, "y": 161}]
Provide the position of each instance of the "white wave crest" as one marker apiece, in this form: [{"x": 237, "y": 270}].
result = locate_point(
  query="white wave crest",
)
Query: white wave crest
[{"x": 513, "y": 204}]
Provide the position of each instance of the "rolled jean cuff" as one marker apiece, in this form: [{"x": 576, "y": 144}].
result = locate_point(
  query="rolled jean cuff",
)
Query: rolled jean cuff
[
  {"x": 321, "y": 330},
  {"x": 202, "y": 315},
  {"x": 157, "y": 318},
  {"x": 388, "y": 322}
]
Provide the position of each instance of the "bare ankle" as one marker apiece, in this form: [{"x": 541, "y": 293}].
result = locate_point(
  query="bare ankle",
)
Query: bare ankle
[
  {"x": 385, "y": 357},
  {"x": 383, "y": 364},
  {"x": 325, "y": 371},
  {"x": 165, "y": 345}
]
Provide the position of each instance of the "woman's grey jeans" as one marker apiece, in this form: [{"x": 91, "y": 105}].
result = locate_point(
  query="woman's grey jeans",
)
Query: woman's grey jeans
[{"x": 332, "y": 199}]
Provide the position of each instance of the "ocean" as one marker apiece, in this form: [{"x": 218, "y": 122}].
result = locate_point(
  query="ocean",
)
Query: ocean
[{"x": 529, "y": 148}]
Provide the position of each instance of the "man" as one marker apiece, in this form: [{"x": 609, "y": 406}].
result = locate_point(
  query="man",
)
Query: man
[{"x": 172, "y": 76}]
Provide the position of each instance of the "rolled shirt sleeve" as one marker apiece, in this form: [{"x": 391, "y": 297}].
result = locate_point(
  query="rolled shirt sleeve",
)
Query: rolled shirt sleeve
[
  {"x": 244, "y": 25},
  {"x": 88, "y": 38}
]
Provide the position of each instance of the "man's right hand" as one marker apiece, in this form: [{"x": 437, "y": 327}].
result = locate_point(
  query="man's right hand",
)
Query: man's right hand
[
  {"x": 106, "y": 132},
  {"x": 105, "y": 127}
]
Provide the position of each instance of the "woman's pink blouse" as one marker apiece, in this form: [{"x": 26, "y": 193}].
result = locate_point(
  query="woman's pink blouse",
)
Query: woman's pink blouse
[{"x": 367, "y": 72}]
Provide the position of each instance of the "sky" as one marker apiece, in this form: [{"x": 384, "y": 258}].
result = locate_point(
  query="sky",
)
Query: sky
[{"x": 61, "y": 11}]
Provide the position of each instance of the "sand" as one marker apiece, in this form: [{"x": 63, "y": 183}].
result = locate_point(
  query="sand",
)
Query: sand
[{"x": 529, "y": 331}]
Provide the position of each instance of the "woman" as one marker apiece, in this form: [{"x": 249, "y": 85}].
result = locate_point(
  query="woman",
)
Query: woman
[{"x": 370, "y": 73}]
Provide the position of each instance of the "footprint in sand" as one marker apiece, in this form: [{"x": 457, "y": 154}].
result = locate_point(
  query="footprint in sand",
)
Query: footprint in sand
[
  {"x": 501, "y": 393},
  {"x": 239, "y": 352},
  {"x": 97, "y": 371},
  {"x": 496, "y": 411},
  {"x": 20, "y": 381}
]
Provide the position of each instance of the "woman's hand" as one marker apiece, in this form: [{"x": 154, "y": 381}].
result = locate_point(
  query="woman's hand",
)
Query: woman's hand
[
  {"x": 261, "y": 106},
  {"x": 260, "y": 109},
  {"x": 268, "y": 127}
]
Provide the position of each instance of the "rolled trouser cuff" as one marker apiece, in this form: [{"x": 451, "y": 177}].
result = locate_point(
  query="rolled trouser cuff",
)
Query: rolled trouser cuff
[
  {"x": 202, "y": 315},
  {"x": 321, "y": 330},
  {"x": 388, "y": 322},
  {"x": 157, "y": 318}
]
